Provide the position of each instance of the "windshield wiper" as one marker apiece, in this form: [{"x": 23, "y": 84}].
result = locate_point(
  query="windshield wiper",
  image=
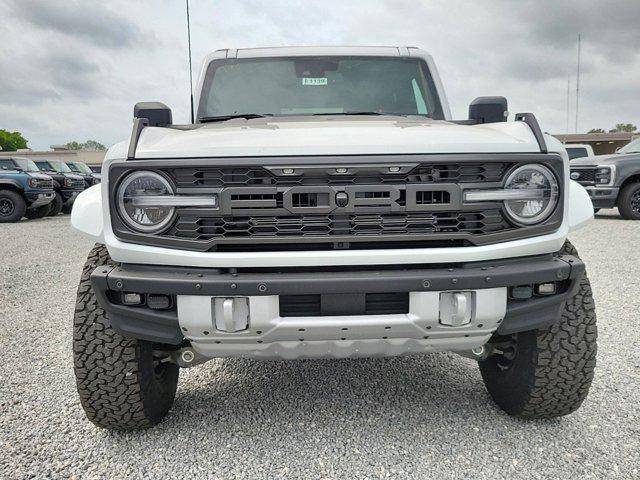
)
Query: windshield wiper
[
  {"x": 222, "y": 118},
  {"x": 364, "y": 113},
  {"x": 350, "y": 113}
]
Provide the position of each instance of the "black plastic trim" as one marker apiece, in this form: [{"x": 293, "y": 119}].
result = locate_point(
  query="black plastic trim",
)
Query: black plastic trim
[
  {"x": 530, "y": 119},
  {"x": 162, "y": 327},
  {"x": 138, "y": 126},
  {"x": 552, "y": 161}
]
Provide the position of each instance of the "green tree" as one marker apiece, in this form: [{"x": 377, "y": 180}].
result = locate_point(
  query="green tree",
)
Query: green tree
[
  {"x": 88, "y": 145},
  {"x": 596, "y": 130},
  {"x": 74, "y": 145},
  {"x": 624, "y": 127},
  {"x": 12, "y": 141},
  {"x": 93, "y": 145}
]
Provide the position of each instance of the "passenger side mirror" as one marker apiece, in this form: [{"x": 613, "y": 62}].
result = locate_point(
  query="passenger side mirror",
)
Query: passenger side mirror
[
  {"x": 488, "y": 110},
  {"x": 158, "y": 114}
]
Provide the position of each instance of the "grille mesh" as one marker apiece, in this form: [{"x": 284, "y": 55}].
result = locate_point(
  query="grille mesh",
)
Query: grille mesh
[
  {"x": 210, "y": 228},
  {"x": 256, "y": 176},
  {"x": 587, "y": 175}
]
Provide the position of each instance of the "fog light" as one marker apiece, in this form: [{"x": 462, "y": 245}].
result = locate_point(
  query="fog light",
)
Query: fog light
[
  {"x": 523, "y": 292},
  {"x": 545, "y": 288},
  {"x": 131, "y": 299},
  {"x": 158, "y": 302}
]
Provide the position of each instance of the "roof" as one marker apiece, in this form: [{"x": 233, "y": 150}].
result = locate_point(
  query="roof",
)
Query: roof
[
  {"x": 344, "y": 50},
  {"x": 596, "y": 137}
]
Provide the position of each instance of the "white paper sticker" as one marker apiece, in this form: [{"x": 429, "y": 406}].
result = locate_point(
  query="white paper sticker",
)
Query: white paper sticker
[{"x": 314, "y": 81}]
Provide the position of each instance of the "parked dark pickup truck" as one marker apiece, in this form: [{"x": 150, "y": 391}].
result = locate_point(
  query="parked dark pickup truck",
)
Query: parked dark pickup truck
[{"x": 612, "y": 180}]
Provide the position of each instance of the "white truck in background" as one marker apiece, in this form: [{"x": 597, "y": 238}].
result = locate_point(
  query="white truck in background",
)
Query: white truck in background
[{"x": 324, "y": 204}]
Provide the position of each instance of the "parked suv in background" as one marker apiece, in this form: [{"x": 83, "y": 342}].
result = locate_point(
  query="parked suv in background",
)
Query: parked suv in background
[
  {"x": 612, "y": 180},
  {"x": 66, "y": 184},
  {"x": 24, "y": 191},
  {"x": 80, "y": 168},
  {"x": 326, "y": 205}
]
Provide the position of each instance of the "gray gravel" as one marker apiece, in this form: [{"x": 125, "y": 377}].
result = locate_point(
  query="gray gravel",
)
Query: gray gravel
[{"x": 412, "y": 417}]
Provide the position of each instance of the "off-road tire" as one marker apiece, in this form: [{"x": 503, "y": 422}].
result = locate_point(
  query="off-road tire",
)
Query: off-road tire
[
  {"x": 629, "y": 201},
  {"x": 552, "y": 369},
  {"x": 120, "y": 384},
  {"x": 56, "y": 205},
  {"x": 38, "y": 212},
  {"x": 66, "y": 209},
  {"x": 12, "y": 206}
]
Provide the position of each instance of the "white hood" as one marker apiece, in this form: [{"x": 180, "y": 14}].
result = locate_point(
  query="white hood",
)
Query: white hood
[{"x": 334, "y": 136}]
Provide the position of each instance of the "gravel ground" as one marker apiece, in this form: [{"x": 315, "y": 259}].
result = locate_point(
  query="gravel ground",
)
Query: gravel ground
[{"x": 412, "y": 417}]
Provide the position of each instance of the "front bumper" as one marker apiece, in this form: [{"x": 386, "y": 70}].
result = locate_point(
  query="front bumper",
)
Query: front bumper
[
  {"x": 335, "y": 333},
  {"x": 39, "y": 199},
  {"x": 602, "y": 196},
  {"x": 69, "y": 196}
]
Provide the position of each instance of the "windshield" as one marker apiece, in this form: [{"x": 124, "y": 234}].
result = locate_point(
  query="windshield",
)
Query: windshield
[
  {"x": 26, "y": 164},
  {"x": 633, "y": 147},
  {"x": 319, "y": 86},
  {"x": 576, "y": 152},
  {"x": 55, "y": 165},
  {"x": 79, "y": 167}
]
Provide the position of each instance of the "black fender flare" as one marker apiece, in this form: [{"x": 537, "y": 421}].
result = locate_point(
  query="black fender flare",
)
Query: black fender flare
[{"x": 9, "y": 182}]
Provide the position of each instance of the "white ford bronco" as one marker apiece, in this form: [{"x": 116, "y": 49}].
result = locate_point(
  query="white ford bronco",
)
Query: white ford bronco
[{"x": 324, "y": 204}]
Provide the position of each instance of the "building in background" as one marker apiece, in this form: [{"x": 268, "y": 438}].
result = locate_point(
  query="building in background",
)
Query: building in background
[
  {"x": 602, "y": 143},
  {"x": 93, "y": 158}
]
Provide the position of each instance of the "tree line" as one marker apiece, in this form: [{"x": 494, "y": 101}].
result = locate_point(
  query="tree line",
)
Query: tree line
[
  {"x": 619, "y": 128},
  {"x": 13, "y": 141}
]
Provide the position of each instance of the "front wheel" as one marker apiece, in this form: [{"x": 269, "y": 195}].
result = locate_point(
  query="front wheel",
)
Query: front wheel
[
  {"x": 38, "y": 212},
  {"x": 122, "y": 384},
  {"x": 546, "y": 373},
  {"x": 629, "y": 202},
  {"x": 56, "y": 205},
  {"x": 12, "y": 206}
]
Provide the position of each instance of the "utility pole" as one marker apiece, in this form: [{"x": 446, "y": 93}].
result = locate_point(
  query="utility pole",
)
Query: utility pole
[
  {"x": 190, "y": 69},
  {"x": 578, "y": 82}
]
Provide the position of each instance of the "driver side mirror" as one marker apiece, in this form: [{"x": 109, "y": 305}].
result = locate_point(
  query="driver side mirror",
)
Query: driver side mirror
[{"x": 488, "y": 110}]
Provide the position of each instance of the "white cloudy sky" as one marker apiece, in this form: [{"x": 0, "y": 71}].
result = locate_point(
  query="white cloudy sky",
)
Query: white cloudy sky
[{"x": 72, "y": 70}]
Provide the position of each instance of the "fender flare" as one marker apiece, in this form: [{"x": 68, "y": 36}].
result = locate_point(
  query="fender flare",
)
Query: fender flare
[
  {"x": 11, "y": 182},
  {"x": 580, "y": 208},
  {"x": 86, "y": 215}
]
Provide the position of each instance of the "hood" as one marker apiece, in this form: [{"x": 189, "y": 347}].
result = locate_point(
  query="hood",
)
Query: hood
[
  {"x": 613, "y": 159},
  {"x": 74, "y": 176},
  {"x": 40, "y": 176},
  {"x": 334, "y": 136}
]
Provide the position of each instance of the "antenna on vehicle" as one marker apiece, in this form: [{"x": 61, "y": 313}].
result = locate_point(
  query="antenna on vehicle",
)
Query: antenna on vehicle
[
  {"x": 190, "y": 69},
  {"x": 578, "y": 81}
]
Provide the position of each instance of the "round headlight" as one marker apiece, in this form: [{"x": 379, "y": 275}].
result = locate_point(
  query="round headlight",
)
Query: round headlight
[
  {"x": 143, "y": 201},
  {"x": 535, "y": 196}
]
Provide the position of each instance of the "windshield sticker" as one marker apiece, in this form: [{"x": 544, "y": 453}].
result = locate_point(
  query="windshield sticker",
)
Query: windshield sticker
[{"x": 314, "y": 81}]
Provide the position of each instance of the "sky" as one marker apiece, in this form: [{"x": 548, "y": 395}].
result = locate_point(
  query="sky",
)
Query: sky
[{"x": 73, "y": 69}]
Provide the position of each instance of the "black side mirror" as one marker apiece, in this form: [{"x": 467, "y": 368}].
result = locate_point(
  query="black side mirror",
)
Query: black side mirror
[
  {"x": 488, "y": 110},
  {"x": 158, "y": 114}
]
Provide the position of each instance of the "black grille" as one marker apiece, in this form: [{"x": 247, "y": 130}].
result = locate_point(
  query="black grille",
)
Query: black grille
[
  {"x": 341, "y": 305},
  {"x": 210, "y": 228},
  {"x": 587, "y": 176},
  {"x": 257, "y": 176},
  {"x": 326, "y": 203},
  {"x": 77, "y": 184},
  {"x": 44, "y": 183}
]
